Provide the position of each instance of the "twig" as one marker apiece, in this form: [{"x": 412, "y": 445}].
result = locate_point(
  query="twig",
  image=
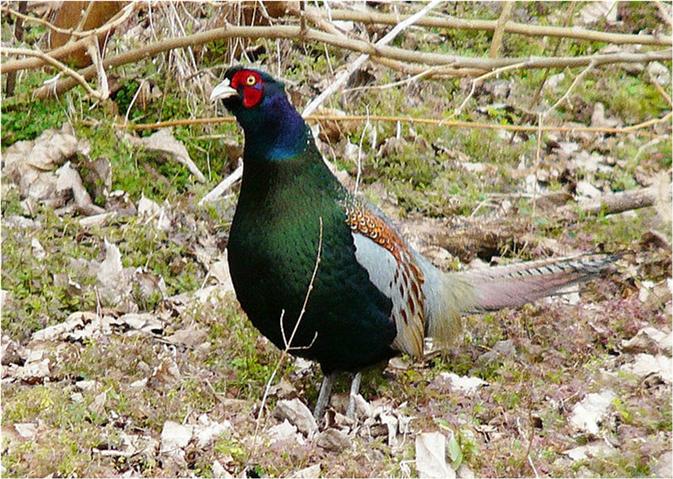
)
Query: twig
[
  {"x": 354, "y": 66},
  {"x": 427, "y": 121},
  {"x": 510, "y": 27},
  {"x": 288, "y": 343},
  {"x": 577, "y": 79},
  {"x": 224, "y": 185},
  {"x": 77, "y": 78},
  {"x": 496, "y": 42}
]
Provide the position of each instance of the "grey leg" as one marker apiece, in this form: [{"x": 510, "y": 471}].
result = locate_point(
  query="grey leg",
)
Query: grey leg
[
  {"x": 323, "y": 397},
  {"x": 355, "y": 389}
]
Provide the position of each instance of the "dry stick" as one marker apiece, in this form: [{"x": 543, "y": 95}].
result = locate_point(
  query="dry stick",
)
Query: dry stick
[
  {"x": 288, "y": 343},
  {"x": 18, "y": 35},
  {"x": 437, "y": 71},
  {"x": 409, "y": 119},
  {"x": 351, "y": 44},
  {"x": 32, "y": 63},
  {"x": 510, "y": 27},
  {"x": 76, "y": 77},
  {"x": 496, "y": 42},
  {"x": 354, "y": 66}
]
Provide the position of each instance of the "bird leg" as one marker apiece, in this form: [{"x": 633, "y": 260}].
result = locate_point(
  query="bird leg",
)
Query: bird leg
[
  {"x": 323, "y": 397},
  {"x": 355, "y": 389}
]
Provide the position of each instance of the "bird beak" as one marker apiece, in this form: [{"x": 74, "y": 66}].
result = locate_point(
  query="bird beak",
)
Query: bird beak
[{"x": 223, "y": 90}]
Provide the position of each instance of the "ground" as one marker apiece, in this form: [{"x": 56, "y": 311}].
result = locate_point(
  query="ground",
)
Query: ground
[{"x": 126, "y": 353}]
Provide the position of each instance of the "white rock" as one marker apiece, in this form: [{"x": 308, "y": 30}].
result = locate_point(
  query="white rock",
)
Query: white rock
[
  {"x": 333, "y": 440},
  {"x": 431, "y": 456},
  {"x": 586, "y": 189},
  {"x": 588, "y": 413},
  {"x": 207, "y": 431},
  {"x": 38, "y": 250},
  {"x": 664, "y": 468},
  {"x": 659, "y": 73}
]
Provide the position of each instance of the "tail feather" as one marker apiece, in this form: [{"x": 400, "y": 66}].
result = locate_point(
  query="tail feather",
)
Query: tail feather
[{"x": 515, "y": 285}]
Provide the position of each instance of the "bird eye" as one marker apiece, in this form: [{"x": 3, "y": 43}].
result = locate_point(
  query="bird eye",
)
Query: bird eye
[{"x": 250, "y": 80}]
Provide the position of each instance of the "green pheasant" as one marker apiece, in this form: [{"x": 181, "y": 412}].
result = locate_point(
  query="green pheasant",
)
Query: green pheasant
[{"x": 372, "y": 296}]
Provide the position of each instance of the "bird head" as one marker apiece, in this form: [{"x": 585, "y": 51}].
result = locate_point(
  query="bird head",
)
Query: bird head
[
  {"x": 273, "y": 127},
  {"x": 248, "y": 94}
]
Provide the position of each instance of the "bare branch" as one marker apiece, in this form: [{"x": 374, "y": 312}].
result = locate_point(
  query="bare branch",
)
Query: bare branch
[
  {"x": 427, "y": 121},
  {"x": 496, "y": 43},
  {"x": 361, "y": 46},
  {"x": 76, "y": 77},
  {"x": 490, "y": 25}
]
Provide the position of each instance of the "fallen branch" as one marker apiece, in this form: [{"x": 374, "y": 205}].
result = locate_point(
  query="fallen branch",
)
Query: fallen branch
[
  {"x": 477, "y": 237},
  {"x": 223, "y": 186},
  {"x": 395, "y": 53},
  {"x": 428, "y": 121},
  {"x": 613, "y": 203},
  {"x": 490, "y": 25}
]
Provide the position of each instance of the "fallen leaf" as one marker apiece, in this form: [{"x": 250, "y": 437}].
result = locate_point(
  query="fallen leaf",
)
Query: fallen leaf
[
  {"x": 296, "y": 413},
  {"x": 431, "y": 456},
  {"x": 592, "y": 449},
  {"x": 164, "y": 141},
  {"x": 333, "y": 440},
  {"x": 646, "y": 364},
  {"x": 284, "y": 432}
]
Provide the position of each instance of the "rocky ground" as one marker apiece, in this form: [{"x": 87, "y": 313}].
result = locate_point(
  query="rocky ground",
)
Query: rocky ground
[{"x": 125, "y": 353}]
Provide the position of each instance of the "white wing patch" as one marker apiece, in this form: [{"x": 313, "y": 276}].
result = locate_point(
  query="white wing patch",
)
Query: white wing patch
[{"x": 401, "y": 281}]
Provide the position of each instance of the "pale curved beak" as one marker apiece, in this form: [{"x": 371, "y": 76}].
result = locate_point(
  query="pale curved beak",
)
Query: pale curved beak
[{"x": 223, "y": 90}]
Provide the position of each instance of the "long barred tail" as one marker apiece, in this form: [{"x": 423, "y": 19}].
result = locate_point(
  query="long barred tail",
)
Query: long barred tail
[{"x": 518, "y": 284}]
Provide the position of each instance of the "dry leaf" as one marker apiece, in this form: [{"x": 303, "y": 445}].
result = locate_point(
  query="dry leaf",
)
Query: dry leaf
[
  {"x": 296, "y": 413},
  {"x": 431, "y": 456}
]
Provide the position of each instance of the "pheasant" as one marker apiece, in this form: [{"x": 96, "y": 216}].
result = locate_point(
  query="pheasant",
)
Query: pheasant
[{"x": 314, "y": 264}]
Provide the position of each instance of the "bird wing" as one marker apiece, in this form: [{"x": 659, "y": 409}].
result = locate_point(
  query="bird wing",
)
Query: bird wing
[{"x": 393, "y": 269}]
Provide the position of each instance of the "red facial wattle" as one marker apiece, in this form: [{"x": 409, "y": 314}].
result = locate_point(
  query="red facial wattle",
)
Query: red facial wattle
[{"x": 253, "y": 87}]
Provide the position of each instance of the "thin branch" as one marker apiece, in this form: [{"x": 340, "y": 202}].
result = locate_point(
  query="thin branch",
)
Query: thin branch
[
  {"x": 355, "y": 65},
  {"x": 76, "y": 77},
  {"x": 572, "y": 86},
  {"x": 361, "y": 46},
  {"x": 448, "y": 22},
  {"x": 288, "y": 343},
  {"x": 427, "y": 121},
  {"x": 496, "y": 43}
]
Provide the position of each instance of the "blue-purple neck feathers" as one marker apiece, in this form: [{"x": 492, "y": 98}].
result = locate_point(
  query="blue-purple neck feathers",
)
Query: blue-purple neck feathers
[{"x": 275, "y": 132}]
